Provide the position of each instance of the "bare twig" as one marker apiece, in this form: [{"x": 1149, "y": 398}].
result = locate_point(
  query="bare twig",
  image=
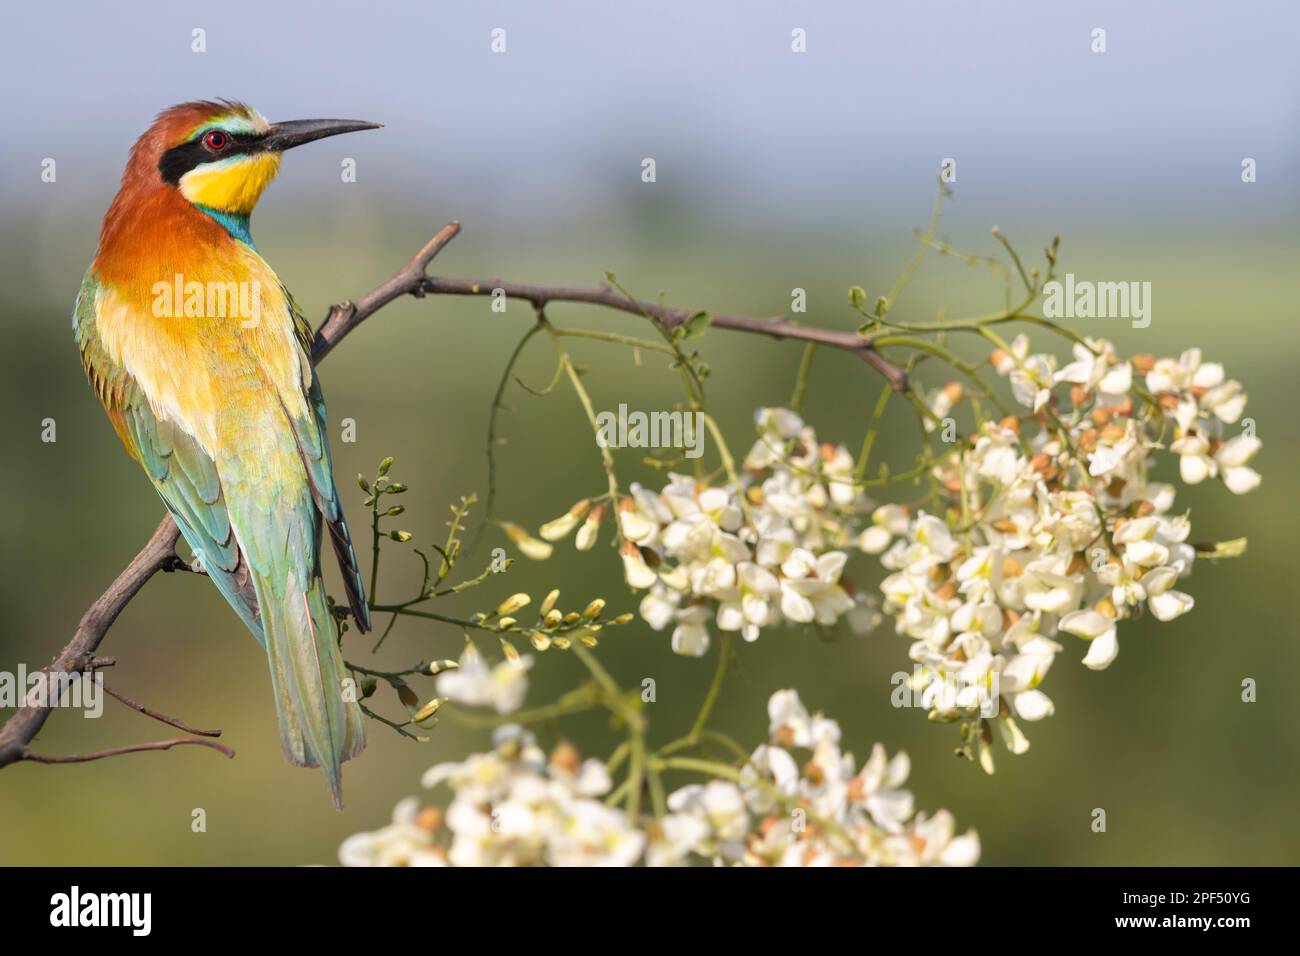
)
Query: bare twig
[
  {"x": 129, "y": 749},
  {"x": 408, "y": 280},
  {"x": 159, "y": 554},
  {"x": 670, "y": 318},
  {"x": 78, "y": 655},
  {"x": 163, "y": 718}
]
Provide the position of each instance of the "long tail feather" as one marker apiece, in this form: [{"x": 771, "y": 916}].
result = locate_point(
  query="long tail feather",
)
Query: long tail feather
[{"x": 318, "y": 726}]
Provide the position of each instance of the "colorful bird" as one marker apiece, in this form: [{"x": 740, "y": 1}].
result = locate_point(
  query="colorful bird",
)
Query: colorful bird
[{"x": 201, "y": 359}]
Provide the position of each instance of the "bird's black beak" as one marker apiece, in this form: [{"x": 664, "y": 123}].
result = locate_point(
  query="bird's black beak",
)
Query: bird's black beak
[{"x": 282, "y": 136}]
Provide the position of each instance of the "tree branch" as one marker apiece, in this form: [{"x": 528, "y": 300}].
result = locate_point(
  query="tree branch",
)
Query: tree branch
[
  {"x": 159, "y": 554},
  {"x": 162, "y": 718},
  {"x": 129, "y": 749},
  {"x": 670, "y": 318}
]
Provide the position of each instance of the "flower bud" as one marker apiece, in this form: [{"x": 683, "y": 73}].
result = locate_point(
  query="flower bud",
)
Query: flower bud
[
  {"x": 565, "y": 758},
  {"x": 634, "y": 525},
  {"x": 513, "y": 603},
  {"x": 635, "y": 570},
  {"x": 437, "y": 667},
  {"x": 429, "y": 818},
  {"x": 528, "y": 546},
  {"x": 427, "y": 711},
  {"x": 548, "y": 604},
  {"x": 590, "y": 529},
  {"x": 561, "y": 526},
  {"x": 594, "y": 608}
]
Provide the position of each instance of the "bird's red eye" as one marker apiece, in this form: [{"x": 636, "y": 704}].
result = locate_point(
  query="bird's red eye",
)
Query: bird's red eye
[{"x": 216, "y": 140}]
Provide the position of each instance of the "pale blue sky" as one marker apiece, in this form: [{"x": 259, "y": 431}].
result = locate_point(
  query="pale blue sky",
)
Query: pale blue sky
[{"x": 711, "y": 90}]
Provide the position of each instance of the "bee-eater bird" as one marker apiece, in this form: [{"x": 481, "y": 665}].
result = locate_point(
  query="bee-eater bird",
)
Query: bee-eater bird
[{"x": 202, "y": 361}]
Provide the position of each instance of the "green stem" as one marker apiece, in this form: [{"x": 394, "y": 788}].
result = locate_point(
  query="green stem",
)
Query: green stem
[
  {"x": 801, "y": 379},
  {"x": 728, "y": 463},
  {"x": 497, "y": 405},
  {"x": 922, "y": 248},
  {"x": 615, "y": 338},
  {"x": 686, "y": 743},
  {"x": 400, "y": 728},
  {"x": 860, "y": 470},
  {"x": 575, "y": 702},
  {"x": 719, "y": 674},
  {"x": 606, "y": 458},
  {"x": 433, "y": 616}
]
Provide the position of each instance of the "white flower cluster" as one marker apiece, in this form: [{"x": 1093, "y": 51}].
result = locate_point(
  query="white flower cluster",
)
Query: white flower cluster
[
  {"x": 475, "y": 684},
  {"x": 1060, "y": 532},
  {"x": 743, "y": 559},
  {"x": 802, "y": 801},
  {"x": 512, "y": 806}
]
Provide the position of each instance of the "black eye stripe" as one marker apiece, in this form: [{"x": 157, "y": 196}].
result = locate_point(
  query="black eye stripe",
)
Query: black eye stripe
[{"x": 179, "y": 160}]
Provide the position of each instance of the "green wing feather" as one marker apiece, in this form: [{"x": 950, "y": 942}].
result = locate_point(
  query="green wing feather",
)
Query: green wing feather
[
  {"x": 313, "y": 447},
  {"x": 182, "y": 473}
]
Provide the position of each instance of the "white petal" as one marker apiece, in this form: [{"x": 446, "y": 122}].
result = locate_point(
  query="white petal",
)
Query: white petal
[
  {"x": 1170, "y": 604},
  {"x": 1087, "y": 623},
  {"x": 1241, "y": 480},
  {"x": 1238, "y": 451},
  {"x": 874, "y": 540},
  {"x": 796, "y": 607},
  {"x": 1102, "y": 651},
  {"x": 692, "y": 640},
  {"x": 1034, "y": 705},
  {"x": 963, "y": 851},
  {"x": 1193, "y": 468}
]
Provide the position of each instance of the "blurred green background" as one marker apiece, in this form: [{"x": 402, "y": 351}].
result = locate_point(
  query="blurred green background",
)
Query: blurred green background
[{"x": 767, "y": 182}]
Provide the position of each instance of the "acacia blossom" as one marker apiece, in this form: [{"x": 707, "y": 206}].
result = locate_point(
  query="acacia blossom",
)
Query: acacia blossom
[{"x": 799, "y": 801}]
